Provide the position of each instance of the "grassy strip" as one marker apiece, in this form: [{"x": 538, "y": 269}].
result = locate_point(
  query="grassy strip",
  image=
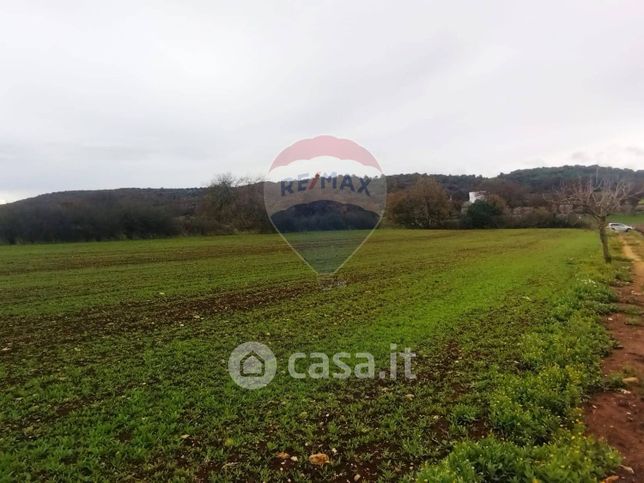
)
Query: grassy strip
[{"x": 534, "y": 414}]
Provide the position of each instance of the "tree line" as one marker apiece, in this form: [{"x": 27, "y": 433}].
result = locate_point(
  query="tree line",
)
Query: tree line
[
  {"x": 80, "y": 221},
  {"x": 502, "y": 204},
  {"x": 235, "y": 204},
  {"x": 229, "y": 205}
]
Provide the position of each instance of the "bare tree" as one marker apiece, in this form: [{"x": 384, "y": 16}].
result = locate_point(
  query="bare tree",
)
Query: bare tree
[
  {"x": 599, "y": 198},
  {"x": 234, "y": 204}
]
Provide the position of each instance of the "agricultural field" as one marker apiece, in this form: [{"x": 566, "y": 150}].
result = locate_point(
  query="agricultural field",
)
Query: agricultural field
[{"x": 113, "y": 358}]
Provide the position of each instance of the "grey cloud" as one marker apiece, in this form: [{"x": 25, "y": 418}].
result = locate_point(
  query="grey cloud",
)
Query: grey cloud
[
  {"x": 580, "y": 157},
  {"x": 637, "y": 151}
]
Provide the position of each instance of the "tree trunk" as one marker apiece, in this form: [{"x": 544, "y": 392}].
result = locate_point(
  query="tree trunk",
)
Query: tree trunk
[{"x": 604, "y": 238}]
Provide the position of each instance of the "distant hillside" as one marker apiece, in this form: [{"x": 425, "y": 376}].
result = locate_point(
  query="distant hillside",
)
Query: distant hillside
[
  {"x": 539, "y": 180},
  {"x": 458, "y": 186},
  {"x": 534, "y": 180},
  {"x": 178, "y": 201},
  {"x": 142, "y": 213},
  {"x": 100, "y": 215}
]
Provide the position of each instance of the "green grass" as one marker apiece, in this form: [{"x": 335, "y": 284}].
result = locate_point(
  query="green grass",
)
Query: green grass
[
  {"x": 634, "y": 220},
  {"x": 113, "y": 356}
]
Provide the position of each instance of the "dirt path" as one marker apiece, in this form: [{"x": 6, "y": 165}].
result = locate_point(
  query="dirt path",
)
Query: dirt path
[{"x": 618, "y": 417}]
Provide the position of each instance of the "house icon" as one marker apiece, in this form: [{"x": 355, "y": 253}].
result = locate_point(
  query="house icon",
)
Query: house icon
[{"x": 252, "y": 365}]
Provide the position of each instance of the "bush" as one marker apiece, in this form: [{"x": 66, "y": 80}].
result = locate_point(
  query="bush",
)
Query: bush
[
  {"x": 571, "y": 459},
  {"x": 482, "y": 214},
  {"x": 528, "y": 409}
]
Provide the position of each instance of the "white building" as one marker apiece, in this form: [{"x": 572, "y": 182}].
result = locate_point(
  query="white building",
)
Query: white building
[{"x": 477, "y": 195}]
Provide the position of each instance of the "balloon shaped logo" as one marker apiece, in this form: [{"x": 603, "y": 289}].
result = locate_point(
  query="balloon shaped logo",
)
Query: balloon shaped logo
[{"x": 325, "y": 196}]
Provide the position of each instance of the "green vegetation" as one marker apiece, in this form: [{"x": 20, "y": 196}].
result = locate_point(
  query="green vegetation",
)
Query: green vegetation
[
  {"x": 572, "y": 458},
  {"x": 523, "y": 199},
  {"x": 634, "y": 220},
  {"x": 113, "y": 358},
  {"x": 536, "y": 411},
  {"x": 547, "y": 179}
]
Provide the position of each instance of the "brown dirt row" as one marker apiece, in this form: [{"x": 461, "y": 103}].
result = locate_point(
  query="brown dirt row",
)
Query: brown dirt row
[{"x": 618, "y": 416}]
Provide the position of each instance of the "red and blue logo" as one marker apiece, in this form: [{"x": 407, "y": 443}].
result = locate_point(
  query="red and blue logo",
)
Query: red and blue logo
[{"x": 325, "y": 196}]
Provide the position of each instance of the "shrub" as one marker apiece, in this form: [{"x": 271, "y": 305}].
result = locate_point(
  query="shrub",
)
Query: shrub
[
  {"x": 482, "y": 214},
  {"x": 570, "y": 459}
]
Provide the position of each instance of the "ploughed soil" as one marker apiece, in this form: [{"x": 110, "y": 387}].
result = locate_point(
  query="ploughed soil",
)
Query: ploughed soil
[{"x": 618, "y": 416}]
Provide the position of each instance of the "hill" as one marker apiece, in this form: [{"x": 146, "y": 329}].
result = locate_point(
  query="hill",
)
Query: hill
[
  {"x": 539, "y": 180},
  {"x": 146, "y": 213},
  {"x": 99, "y": 215}
]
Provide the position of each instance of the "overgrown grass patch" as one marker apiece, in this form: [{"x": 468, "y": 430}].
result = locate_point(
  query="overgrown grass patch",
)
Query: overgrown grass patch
[
  {"x": 569, "y": 457},
  {"x": 534, "y": 414}
]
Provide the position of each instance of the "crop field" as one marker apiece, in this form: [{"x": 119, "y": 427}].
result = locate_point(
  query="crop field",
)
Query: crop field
[{"x": 113, "y": 357}]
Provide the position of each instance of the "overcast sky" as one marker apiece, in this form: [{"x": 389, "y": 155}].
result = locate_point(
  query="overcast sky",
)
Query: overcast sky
[{"x": 106, "y": 94}]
